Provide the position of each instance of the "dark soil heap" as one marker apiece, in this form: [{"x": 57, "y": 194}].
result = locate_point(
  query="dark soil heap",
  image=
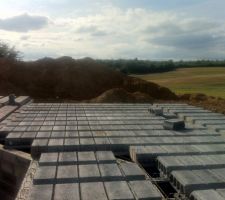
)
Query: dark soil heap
[
  {"x": 119, "y": 95},
  {"x": 68, "y": 79},
  {"x": 208, "y": 102}
]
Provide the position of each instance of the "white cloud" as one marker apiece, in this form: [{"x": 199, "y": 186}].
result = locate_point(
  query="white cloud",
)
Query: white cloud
[
  {"x": 117, "y": 33},
  {"x": 24, "y": 37},
  {"x": 23, "y": 23}
]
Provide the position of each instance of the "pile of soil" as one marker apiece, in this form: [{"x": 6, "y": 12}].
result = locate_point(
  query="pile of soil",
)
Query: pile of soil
[
  {"x": 120, "y": 95},
  {"x": 208, "y": 102},
  {"x": 68, "y": 79}
]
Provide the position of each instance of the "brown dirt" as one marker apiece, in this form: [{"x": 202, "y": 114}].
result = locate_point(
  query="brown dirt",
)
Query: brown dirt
[
  {"x": 77, "y": 80},
  {"x": 68, "y": 80},
  {"x": 120, "y": 95},
  {"x": 208, "y": 102},
  {"x": 133, "y": 84}
]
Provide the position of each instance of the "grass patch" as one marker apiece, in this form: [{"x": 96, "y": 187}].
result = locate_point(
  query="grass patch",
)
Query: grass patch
[{"x": 207, "y": 80}]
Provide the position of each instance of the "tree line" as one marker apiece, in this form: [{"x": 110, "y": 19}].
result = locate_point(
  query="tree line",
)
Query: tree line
[
  {"x": 8, "y": 52},
  {"x": 128, "y": 66},
  {"x": 135, "y": 66}
]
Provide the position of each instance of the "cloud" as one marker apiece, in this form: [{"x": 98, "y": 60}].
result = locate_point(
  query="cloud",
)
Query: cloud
[
  {"x": 87, "y": 29},
  {"x": 188, "y": 41},
  {"x": 24, "y": 37},
  {"x": 94, "y": 31},
  {"x": 99, "y": 33},
  {"x": 23, "y": 23},
  {"x": 187, "y": 38},
  {"x": 125, "y": 33}
]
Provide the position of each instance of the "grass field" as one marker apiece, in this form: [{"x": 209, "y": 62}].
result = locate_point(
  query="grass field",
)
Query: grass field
[{"x": 208, "y": 80}]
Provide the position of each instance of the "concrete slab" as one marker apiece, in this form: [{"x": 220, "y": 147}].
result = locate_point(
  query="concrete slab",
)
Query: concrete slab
[
  {"x": 118, "y": 190},
  {"x": 67, "y": 174},
  {"x": 156, "y": 110},
  {"x": 43, "y": 192},
  {"x": 194, "y": 118},
  {"x": 45, "y": 175},
  {"x": 169, "y": 115},
  {"x": 67, "y": 191},
  {"x": 5, "y": 111},
  {"x": 4, "y": 100},
  {"x": 67, "y": 158},
  {"x": 221, "y": 192},
  {"x": 59, "y": 128},
  {"x": 183, "y": 111},
  {"x": 43, "y": 135},
  {"x": 48, "y": 159},
  {"x": 210, "y": 122},
  {"x": 167, "y": 164},
  {"x": 55, "y": 145},
  {"x": 186, "y": 115},
  {"x": 38, "y": 146},
  {"x": 105, "y": 157},
  {"x": 110, "y": 172},
  {"x": 206, "y": 195},
  {"x": 89, "y": 173},
  {"x": 216, "y": 127},
  {"x": 71, "y": 144},
  {"x": 33, "y": 128},
  {"x": 102, "y": 144},
  {"x": 93, "y": 191},
  {"x": 132, "y": 171},
  {"x": 71, "y": 134},
  {"x": 144, "y": 190},
  {"x": 87, "y": 144},
  {"x": 174, "y": 124},
  {"x": 186, "y": 181},
  {"x": 64, "y": 128},
  {"x": 147, "y": 154},
  {"x": 86, "y": 158}
]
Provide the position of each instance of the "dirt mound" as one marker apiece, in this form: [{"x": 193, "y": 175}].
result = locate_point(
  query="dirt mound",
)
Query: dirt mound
[
  {"x": 66, "y": 78},
  {"x": 133, "y": 84},
  {"x": 120, "y": 95},
  {"x": 198, "y": 97},
  {"x": 208, "y": 102}
]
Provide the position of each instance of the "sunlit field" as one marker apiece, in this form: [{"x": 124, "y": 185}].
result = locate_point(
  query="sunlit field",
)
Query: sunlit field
[{"x": 208, "y": 80}]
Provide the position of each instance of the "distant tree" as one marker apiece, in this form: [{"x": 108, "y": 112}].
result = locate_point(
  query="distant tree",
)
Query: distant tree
[{"x": 9, "y": 52}]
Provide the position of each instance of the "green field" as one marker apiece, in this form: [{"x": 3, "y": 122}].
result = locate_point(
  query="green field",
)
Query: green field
[{"x": 207, "y": 80}]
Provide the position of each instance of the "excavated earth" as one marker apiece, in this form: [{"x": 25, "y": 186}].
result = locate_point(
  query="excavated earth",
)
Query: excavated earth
[{"x": 68, "y": 79}]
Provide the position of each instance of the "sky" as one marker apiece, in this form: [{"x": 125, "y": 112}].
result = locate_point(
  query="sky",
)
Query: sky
[{"x": 115, "y": 29}]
